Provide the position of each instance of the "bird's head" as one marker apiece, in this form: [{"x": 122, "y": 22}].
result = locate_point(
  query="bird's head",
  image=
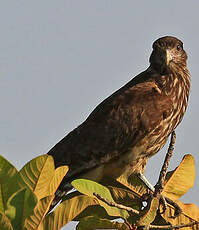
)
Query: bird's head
[{"x": 167, "y": 54}]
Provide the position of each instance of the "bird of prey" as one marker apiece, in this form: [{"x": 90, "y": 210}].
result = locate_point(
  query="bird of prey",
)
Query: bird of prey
[{"x": 132, "y": 124}]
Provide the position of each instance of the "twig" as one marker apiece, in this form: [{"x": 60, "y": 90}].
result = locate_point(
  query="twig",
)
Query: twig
[
  {"x": 173, "y": 226},
  {"x": 113, "y": 204},
  {"x": 162, "y": 176},
  {"x": 129, "y": 209}
]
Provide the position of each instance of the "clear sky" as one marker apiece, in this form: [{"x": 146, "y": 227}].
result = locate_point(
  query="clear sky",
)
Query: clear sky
[{"x": 59, "y": 59}]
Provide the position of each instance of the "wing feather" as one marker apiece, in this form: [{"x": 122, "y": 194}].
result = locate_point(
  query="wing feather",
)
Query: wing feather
[{"x": 115, "y": 125}]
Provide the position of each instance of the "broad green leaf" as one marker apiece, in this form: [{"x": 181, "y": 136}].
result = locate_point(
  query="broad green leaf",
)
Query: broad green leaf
[
  {"x": 92, "y": 223},
  {"x": 92, "y": 210},
  {"x": 7, "y": 171},
  {"x": 33, "y": 175},
  {"x": 189, "y": 213},
  {"x": 181, "y": 179},
  {"x": 37, "y": 175},
  {"x": 57, "y": 178},
  {"x": 19, "y": 206},
  {"x": 133, "y": 183},
  {"x": 125, "y": 197},
  {"x": 5, "y": 223},
  {"x": 34, "y": 221},
  {"x": 40, "y": 176},
  {"x": 14, "y": 184},
  {"x": 95, "y": 211},
  {"x": 67, "y": 211},
  {"x": 88, "y": 187},
  {"x": 121, "y": 196},
  {"x": 190, "y": 210}
]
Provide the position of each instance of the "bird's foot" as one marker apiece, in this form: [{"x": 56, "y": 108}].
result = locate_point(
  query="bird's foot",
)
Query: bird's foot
[
  {"x": 177, "y": 209},
  {"x": 163, "y": 203}
]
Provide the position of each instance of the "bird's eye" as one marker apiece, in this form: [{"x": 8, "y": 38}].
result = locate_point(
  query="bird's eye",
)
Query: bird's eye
[{"x": 179, "y": 47}]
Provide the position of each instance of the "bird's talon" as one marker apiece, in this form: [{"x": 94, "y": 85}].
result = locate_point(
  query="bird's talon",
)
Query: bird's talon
[
  {"x": 163, "y": 203},
  {"x": 176, "y": 207},
  {"x": 147, "y": 197}
]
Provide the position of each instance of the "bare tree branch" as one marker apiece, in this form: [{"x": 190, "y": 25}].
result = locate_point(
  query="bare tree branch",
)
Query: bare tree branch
[{"x": 113, "y": 204}]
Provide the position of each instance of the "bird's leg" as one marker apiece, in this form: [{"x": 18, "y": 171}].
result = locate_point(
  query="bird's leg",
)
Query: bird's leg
[
  {"x": 146, "y": 182},
  {"x": 159, "y": 185},
  {"x": 150, "y": 191},
  {"x": 157, "y": 190}
]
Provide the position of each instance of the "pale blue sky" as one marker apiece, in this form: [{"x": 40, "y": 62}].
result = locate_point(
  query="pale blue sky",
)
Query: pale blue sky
[{"x": 59, "y": 59}]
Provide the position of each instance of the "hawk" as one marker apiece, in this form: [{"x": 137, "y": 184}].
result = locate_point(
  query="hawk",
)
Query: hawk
[{"x": 132, "y": 124}]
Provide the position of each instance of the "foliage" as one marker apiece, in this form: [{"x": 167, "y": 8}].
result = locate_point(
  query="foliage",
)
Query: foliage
[{"x": 26, "y": 195}]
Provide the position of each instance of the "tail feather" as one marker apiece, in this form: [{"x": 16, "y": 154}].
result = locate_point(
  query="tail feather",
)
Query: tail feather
[{"x": 59, "y": 195}]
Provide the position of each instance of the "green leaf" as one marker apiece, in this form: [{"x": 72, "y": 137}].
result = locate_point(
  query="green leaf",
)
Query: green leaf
[
  {"x": 88, "y": 187},
  {"x": 40, "y": 176},
  {"x": 190, "y": 212},
  {"x": 57, "y": 178},
  {"x": 5, "y": 223},
  {"x": 37, "y": 175},
  {"x": 19, "y": 206},
  {"x": 67, "y": 211},
  {"x": 181, "y": 179},
  {"x": 91, "y": 223},
  {"x": 95, "y": 211},
  {"x": 7, "y": 171},
  {"x": 125, "y": 197},
  {"x": 35, "y": 220},
  {"x": 29, "y": 175},
  {"x": 133, "y": 183}
]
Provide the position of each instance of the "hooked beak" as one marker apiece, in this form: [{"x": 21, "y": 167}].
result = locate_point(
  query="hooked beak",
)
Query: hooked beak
[{"x": 168, "y": 57}]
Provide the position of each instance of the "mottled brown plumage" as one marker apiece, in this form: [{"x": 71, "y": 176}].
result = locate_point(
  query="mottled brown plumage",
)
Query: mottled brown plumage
[{"x": 133, "y": 123}]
